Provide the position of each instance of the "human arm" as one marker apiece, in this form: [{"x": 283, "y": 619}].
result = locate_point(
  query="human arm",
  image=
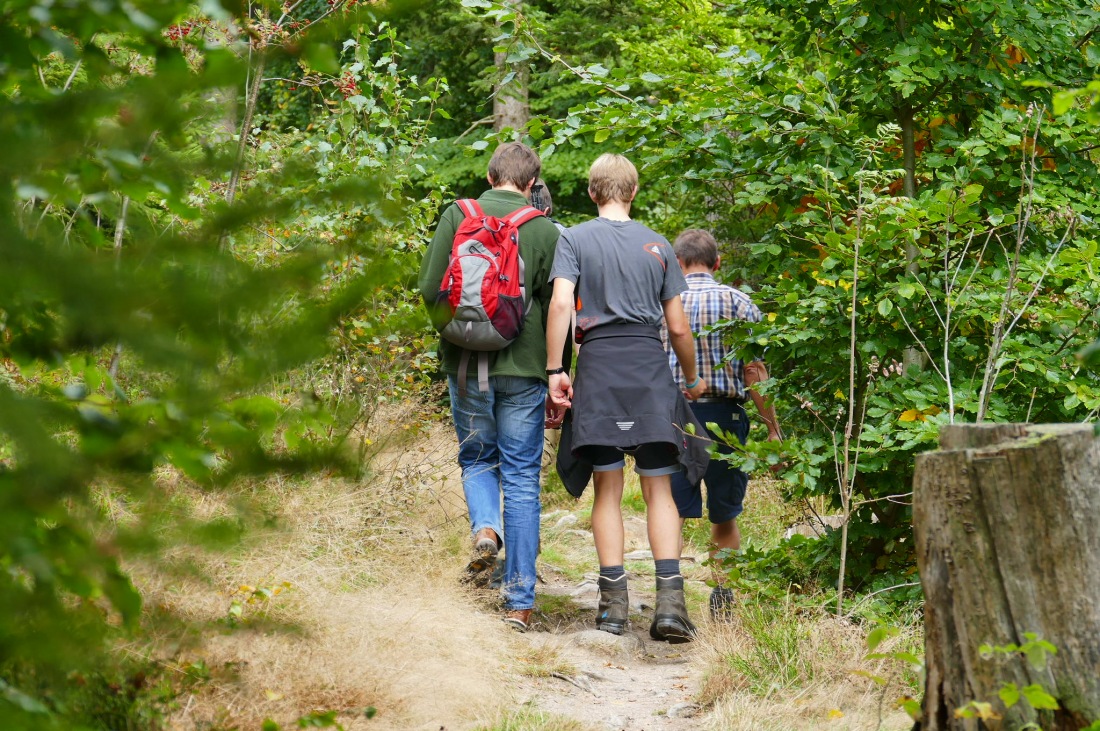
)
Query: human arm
[
  {"x": 683, "y": 344},
  {"x": 755, "y": 372},
  {"x": 557, "y": 331}
]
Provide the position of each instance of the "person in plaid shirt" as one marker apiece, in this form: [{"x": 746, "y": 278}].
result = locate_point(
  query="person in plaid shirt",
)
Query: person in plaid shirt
[{"x": 729, "y": 385}]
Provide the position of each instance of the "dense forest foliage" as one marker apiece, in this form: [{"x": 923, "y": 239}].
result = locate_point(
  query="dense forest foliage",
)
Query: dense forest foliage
[{"x": 211, "y": 215}]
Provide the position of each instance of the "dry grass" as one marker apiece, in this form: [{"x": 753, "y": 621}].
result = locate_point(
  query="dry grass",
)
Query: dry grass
[
  {"x": 529, "y": 719},
  {"x": 779, "y": 667},
  {"x": 365, "y": 610}
]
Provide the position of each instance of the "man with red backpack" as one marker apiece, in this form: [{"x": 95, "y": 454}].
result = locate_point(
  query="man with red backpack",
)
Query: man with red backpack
[{"x": 485, "y": 281}]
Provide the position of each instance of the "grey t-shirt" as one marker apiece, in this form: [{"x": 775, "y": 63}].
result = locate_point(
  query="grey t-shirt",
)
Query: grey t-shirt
[{"x": 622, "y": 270}]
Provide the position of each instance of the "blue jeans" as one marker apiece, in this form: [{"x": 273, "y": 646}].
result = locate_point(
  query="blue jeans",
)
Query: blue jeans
[{"x": 500, "y": 437}]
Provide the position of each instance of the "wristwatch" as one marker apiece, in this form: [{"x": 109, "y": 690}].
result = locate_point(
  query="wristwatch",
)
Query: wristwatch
[{"x": 554, "y": 371}]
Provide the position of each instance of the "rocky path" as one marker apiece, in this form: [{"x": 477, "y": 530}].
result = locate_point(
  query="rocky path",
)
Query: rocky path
[{"x": 628, "y": 682}]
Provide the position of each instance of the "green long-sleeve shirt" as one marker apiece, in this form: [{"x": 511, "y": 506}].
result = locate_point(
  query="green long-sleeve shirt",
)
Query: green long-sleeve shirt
[{"x": 537, "y": 241}]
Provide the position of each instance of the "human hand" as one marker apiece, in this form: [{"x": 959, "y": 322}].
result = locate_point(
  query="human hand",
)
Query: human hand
[
  {"x": 697, "y": 390},
  {"x": 560, "y": 391},
  {"x": 554, "y": 415}
]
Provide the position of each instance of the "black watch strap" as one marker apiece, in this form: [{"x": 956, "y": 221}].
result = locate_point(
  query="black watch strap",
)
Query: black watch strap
[{"x": 554, "y": 371}]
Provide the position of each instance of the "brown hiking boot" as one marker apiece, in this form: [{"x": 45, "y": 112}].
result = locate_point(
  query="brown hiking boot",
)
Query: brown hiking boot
[
  {"x": 614, "y": 608},
  {"x": 670, "y": 618},
  {"x": 486, "y": 547},
  {"x": 518, "y": 619}
]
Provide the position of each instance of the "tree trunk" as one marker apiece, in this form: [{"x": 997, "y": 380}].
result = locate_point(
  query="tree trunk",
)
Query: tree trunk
[
  {"x": 1008, "y": 543},
  {"x": 907, "y": 122},
  {"x": 510, "y": 105}
]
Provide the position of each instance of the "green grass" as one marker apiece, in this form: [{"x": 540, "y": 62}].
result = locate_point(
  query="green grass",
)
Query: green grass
[
  {"x": 559, "y": 608},
  {"x": 775, "y": 657},
  {"x": 569, "y": 567},
  {"x": 554, "y": 494}
]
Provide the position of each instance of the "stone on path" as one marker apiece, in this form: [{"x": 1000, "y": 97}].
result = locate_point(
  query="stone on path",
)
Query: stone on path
[
  {"x": 565, "y": 521},
  {"x": 683, "y": 710},
  {"x": 627, "y": 646}
]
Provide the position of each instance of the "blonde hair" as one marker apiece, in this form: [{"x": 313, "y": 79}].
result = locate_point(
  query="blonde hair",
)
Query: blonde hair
[{"x": 612, "y": 178}]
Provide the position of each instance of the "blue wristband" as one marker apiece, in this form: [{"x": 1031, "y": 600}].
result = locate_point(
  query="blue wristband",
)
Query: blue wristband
[{"x": 693, "y": 384}]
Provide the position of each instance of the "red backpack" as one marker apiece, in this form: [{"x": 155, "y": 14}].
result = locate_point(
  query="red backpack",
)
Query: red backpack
[{"x": 484, "y": 286}]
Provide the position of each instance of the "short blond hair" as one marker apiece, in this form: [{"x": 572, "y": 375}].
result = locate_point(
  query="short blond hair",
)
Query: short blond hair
[{"x": 612, "y": 178}]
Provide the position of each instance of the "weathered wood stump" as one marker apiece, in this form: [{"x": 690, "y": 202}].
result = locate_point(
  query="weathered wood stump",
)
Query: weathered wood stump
[{"x": 1007, "y": 524}]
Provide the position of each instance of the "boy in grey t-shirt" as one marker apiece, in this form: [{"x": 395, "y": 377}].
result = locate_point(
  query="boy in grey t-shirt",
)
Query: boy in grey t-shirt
[{"x": 625, "y": 279}]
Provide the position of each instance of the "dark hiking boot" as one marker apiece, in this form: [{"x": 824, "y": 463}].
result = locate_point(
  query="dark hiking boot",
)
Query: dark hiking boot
[
  {"x": 721, "y": 603},
  {"x": 614, "y": 608},
  {"x": 670, "y": 618}
]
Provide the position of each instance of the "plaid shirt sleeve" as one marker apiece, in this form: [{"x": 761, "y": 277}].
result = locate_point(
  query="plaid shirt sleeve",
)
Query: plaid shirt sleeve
[{"x": 706, "y": 303}]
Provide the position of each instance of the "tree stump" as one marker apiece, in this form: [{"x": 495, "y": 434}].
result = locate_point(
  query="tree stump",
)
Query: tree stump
[{"x": 1007, "y": 525}]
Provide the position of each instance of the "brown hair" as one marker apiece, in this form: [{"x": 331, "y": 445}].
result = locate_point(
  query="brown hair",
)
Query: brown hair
[
  {"x": 612, "y": 178},
  {"x": 696, "y": 246},
  {"x": 514, "y": 163}
]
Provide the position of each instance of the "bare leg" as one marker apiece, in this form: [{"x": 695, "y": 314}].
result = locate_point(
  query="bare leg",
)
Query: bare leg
[
  {"x": 724, "y": 535},
  {"x": 607, "y": 517},
  {"x": 662, "y": 517}
]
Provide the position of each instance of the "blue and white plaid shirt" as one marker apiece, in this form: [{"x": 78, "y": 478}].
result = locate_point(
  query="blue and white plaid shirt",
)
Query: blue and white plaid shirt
[{"x": 706, "y": 302}]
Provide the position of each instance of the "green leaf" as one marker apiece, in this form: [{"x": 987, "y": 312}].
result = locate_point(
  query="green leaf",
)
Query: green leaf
[
  {"x": 479, "y": 144},
  {"x": 652, "y": 78},
  {"x": 1039, "y": 698},
  {"x": 1064, "y": 100},
  {"x": 885, "y": 307},
  {"x": 601, "y": 135},
  {"x": 321, "y": 57},
  {"x": 120, "y": 590},
  {"x": 1010, "y": 694},
  {"x": 21, "y": 700},
  {"x": 876, "y": 636}
]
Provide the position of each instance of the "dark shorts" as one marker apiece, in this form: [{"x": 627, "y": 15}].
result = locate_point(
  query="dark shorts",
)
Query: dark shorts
[
  {"x": 650, "y": 460},
  {"x": 725, "y": 483}
]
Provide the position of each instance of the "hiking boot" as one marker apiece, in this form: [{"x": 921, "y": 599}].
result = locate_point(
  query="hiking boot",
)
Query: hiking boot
[
  {"x": 479, "y": 571},
  {"x": 614, "y": 608},
  {"x": 518, "y": 619},
  {"x": 721, "y": 603},
  {"x": 670, "y": 618},
  {"x": 486, "y": 548}
]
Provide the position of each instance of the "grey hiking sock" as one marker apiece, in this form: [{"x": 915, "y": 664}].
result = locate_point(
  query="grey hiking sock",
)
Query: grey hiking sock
[
  {"x": 667, "y": 567},
  {"x": 612, "y": 573}
]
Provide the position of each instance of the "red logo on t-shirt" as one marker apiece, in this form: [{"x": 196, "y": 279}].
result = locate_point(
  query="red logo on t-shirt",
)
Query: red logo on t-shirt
[{"x": 655, "y": 249}]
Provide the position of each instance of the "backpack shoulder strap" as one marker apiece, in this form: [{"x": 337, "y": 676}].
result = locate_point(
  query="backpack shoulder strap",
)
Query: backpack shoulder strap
[
  {"x": 523, "y": 215},
  {"x": 470, "y": 208}
]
